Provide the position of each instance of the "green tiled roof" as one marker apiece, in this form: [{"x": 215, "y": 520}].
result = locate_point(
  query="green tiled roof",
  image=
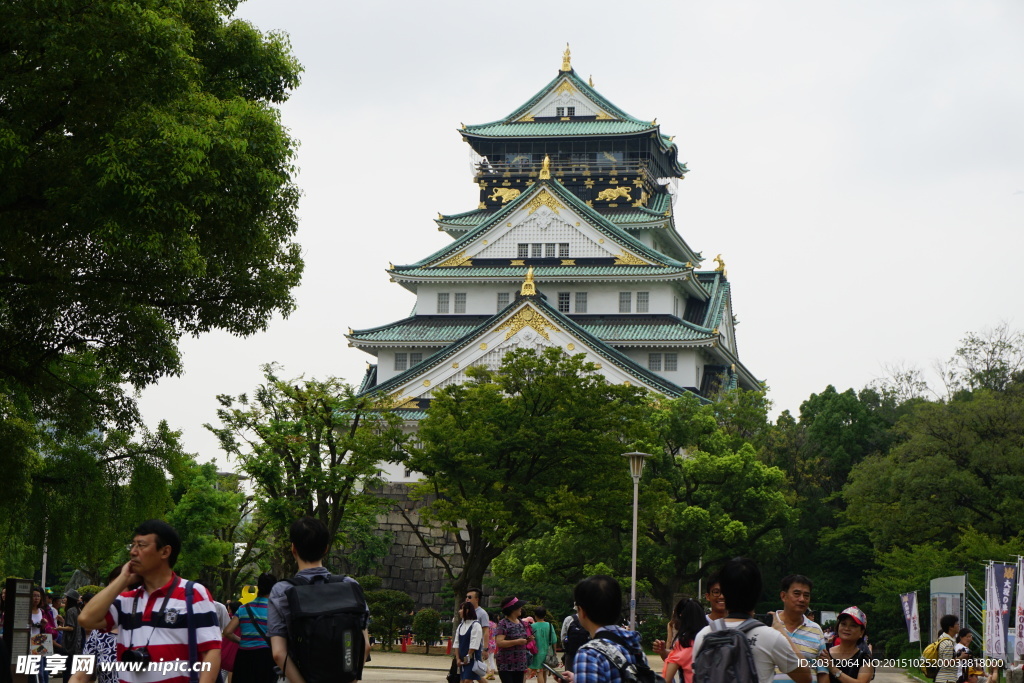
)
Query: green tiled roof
[
  {"x": 659, "y": 204},
  {"x": 584, "y": 87},
  {"x": 531, "y": 129},
  {"x": 468, "y": 218},
  {"x": 607, "y": 352},
  {"x": 600, "y": 222},
  {"x": 624, "y": 328},
  {"x": 422, "y": 329},
  {"x": 540, "y": 272}
]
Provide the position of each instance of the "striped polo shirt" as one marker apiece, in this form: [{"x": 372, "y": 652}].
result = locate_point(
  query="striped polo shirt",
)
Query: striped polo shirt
[
  {"x": 247, "y": 613},
  {"x": 809, "y": 641},
  {"x": 163, "y": 630}
]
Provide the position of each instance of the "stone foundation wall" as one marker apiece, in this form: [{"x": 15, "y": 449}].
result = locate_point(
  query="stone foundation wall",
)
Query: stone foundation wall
[{"x": 409, "y": 567}]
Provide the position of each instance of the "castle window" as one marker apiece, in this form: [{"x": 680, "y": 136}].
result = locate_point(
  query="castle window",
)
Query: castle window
[
  {"x": 563, "y": 250},
  {"x": 401, "y": 361},
  {"x": 415, "y": 358},
  {"x": 460, "y": 302},
  {"x": 671, "y": 362},
  {"x": 536, "y": 250},
  {"x": 559, "y": 111},
  {"x": 524, "y": 251},
  {"x": 563, "y": 302},
  {"x": 654, "y": 362},
  {"x": 549, "y": 250},
  {"x": 643, "y": 302},
  {"x": 442, "y": 302},
  {"x": 581, "y": 302},
  {"x": 503, "y": 298},
  {"x": 570, "y": 111},
  {"x": 625, "y": 302}
]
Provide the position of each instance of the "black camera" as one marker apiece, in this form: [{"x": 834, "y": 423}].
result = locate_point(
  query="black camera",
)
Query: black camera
[{"x": 138, "y": 655}]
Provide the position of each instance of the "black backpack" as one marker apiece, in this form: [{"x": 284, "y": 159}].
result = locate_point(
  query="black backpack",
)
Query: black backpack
[
  {"x": 325, "y": 628},
  {"x": 630, "y": 672},
  {"x": 575, "y": 637},
  {"x": 725, "y": 655}
]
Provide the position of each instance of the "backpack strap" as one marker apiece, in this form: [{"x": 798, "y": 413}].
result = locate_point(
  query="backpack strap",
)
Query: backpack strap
[
  {"x": 611, "y": 652},
  {"x": 193, "y": 646}
]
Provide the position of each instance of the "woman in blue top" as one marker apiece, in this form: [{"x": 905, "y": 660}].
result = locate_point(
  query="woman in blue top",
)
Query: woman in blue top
[
  {"x": 254, "y": 662},
  {"x": 471, "y": 636}
]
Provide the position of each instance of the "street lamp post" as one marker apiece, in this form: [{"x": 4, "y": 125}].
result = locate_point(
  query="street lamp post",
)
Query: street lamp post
[{"x": 636, "y": 469}]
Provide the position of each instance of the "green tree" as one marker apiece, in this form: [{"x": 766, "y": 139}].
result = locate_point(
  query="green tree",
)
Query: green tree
[
  {"x": 88, "y": 492},
  {"x": 961, "y": 462},
  {"x": 391, "y": 612},
  {"x": 706, "y": 496},
  {"x": 311, "y": 448},
  {"x": 147, "y": 194},
  {"x": 835, "y": 431},
  {"x": 427, "y": 626},
  {"x": 517, "y": 449},
  {"x": 207, "y": 512}
]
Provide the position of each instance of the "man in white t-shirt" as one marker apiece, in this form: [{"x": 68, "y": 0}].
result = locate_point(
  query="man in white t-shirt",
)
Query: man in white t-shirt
[{"x": 740, "y": 583}]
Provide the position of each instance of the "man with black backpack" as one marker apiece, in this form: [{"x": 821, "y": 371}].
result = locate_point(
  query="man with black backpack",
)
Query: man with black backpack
[
  {"x": 613, "y": 654},
  {"x": 573, "y": 637},
  {"x": 738, "y": 648},
  {"x": 317, "y": 622}
]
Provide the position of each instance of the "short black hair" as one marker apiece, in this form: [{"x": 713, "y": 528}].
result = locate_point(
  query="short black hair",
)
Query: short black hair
[
  {"x": 310, "y": 537},
  {"x": 165, "y": 535},
  {"x": 264, "y": 583},
  {"x": 713, "y": 578},
  {"x": 740, "y": 583},
  {"x": 468, "y": 611},
  {"x": 947, "y": 622},
  {"x": 964, "y": 632},
  {"x": 788, "y": 581},
  {"x": 540, "y": 612},
  {"x": 479, "y": 593},
  {"x": 601, "y": 598}
]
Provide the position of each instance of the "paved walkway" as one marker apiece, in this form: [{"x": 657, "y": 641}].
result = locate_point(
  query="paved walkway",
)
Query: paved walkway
[{"x": 407, "y": 667}]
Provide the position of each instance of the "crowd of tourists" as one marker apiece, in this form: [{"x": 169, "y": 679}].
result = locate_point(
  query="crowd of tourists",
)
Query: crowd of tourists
[{"x": 313, "y": 628}]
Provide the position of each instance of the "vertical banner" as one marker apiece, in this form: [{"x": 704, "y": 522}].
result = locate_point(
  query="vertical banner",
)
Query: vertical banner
[
  {"x": 909, "y": 602},
  {"x": 995, "y": 634},
  {"x": 1018, "y": 646}
]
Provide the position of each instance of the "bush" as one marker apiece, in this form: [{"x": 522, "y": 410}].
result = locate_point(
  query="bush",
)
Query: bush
[
  {"x": 389, "y": 613},
  {"x": 650, "y": 627},
  {"x": 427, "y": 626}
]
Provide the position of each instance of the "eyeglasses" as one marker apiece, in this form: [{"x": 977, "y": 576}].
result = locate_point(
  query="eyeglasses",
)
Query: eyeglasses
[
  {"x": 715, "y": 592},
  {"x": 137, "y": 544}
]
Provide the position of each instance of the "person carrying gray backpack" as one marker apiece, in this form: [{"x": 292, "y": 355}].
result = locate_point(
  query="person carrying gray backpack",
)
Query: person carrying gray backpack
[{"x": 739, "y": 649}]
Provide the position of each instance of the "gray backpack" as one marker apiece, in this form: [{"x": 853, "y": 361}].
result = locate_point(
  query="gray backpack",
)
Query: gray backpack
[{"x": 725, "y": 655}]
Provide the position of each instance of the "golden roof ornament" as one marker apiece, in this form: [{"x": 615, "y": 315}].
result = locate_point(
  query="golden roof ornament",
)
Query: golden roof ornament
[
  {"x": 721, "y": 266},
  {"x": 529, "y": 288},
  {"x": 591, "y": 81},
  {"x": 545, "y": 169},
  {"x": 566, "y": 59}
]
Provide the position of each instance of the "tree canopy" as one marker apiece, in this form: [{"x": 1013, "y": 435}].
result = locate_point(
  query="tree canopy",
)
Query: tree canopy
[
  {"x": 147, "y": 194},
  {"x": 519, "y": 448},
  {"x": 311, "y": 448}
]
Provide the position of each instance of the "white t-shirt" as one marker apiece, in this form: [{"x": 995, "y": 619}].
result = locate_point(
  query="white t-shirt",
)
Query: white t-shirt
[
  {"x": 475, "y": 631},
  {"x": 770, "y": 649}
]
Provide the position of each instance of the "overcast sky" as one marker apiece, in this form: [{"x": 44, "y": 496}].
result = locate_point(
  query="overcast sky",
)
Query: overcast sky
[{"x": 859, "y": 165}]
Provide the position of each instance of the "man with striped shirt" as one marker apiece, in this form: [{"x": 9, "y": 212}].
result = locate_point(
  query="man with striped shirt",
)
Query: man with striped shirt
[
  {"x": 807, "y": 637},
  {"x": 147, "y": 601}
]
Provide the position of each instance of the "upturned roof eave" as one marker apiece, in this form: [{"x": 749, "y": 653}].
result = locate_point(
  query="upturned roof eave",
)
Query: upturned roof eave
[
  {"x": 601, "y": 348},
  {"x": 600, "y": 222}
]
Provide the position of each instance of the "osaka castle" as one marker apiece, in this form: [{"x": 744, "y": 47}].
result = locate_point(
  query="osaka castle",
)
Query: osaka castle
[{"x": 573, "y": 244}]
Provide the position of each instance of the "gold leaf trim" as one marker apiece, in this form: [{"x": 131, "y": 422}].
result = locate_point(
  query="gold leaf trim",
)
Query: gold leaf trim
[
  {"x": 459, "y": 259},
  {"x": 543, "y": 198},
  {"x": 527, "y": 317},
  {"x": 627, "y": 259}
]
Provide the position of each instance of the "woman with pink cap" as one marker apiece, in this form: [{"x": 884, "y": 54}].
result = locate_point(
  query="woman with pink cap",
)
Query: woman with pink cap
[{"x": 850, "y": 661}]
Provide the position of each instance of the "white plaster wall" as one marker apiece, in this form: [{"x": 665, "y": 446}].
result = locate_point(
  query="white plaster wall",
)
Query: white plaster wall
[{"x": 689, "y": 362}]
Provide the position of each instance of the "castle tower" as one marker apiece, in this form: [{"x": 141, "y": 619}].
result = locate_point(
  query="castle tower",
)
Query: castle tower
[{"x": 579, "y": 194}]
